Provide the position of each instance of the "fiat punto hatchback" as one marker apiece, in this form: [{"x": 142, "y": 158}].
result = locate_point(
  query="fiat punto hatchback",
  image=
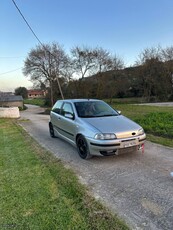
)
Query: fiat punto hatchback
[{"x": 94, "y": 127}]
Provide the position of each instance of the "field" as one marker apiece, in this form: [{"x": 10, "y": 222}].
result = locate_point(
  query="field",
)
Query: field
[
  {"x": 38, "y": 192},
  {"x": 156, "y": 121},
  {"x": 36, "y": 101}
]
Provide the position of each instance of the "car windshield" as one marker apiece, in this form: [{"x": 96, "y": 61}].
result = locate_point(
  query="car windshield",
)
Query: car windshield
[{"x": 94, "y": 109}]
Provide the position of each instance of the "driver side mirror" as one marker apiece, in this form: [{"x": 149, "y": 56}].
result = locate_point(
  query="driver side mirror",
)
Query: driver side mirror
[{"x": 69, "y": 115}]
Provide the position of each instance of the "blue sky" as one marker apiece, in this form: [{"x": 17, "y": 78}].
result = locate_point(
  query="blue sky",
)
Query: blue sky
[{"x": 124, "y": 27}]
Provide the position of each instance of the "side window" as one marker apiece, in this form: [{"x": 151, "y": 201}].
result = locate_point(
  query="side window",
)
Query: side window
[
  {"x": 57, "y": 107},
  {"x": 67, "y": 109}
]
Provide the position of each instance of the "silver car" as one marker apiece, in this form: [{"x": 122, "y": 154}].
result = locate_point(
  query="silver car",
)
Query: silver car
[{"x": 94, "y": 127}]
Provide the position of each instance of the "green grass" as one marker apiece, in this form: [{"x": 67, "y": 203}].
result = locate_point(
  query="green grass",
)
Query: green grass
[
  {"x": 156, "y": 121},
  {"x": 129, "y": 100},
  {"x": 38, "y": 192},
  {"x": 36, "y": 101},
  {"x": 160, "y": 140}
]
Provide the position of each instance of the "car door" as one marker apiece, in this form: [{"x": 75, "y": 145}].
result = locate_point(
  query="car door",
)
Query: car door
[
  {"x": 56, "y": 115},
  {"x": 67, "y": 124}
]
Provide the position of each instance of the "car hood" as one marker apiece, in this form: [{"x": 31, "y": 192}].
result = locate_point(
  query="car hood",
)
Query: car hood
[{"x": 113, "y": 124}]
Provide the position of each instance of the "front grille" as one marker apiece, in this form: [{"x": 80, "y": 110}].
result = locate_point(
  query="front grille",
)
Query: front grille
[
  {"x": 105, "y": 145},
  {"x": 108, "y": 153},
  {"x": 128, "y": 140}
]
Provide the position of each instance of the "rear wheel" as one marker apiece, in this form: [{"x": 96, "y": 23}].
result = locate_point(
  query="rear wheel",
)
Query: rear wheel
[
  {"x": 82, "y": 148},
  {"x": 51, "y": 130}
]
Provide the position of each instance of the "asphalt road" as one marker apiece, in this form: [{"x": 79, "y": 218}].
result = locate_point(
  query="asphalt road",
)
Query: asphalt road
[{"x": 138, "y": 187}]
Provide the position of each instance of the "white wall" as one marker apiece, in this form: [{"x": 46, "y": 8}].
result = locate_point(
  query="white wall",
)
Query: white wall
[{"x": 10, "y": 112}]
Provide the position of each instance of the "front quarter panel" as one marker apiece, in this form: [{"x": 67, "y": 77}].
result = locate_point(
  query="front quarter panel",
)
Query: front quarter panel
[{"x": 85, "y": 129}]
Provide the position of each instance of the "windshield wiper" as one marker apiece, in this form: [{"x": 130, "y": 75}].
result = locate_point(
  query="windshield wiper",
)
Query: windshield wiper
[
  {"x": 103, "y": 115},
  {"x": 109, "y": 115}
]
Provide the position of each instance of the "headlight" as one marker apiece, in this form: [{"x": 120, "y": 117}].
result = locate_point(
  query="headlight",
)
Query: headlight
[
  {"x": 105, "y": 136},
  {"x": 140, "y": 131}
]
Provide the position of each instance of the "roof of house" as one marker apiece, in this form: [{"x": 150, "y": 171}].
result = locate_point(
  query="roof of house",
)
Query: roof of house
[
  {"x": 6, "y": 93},
  {"x": 35, "y": 91},
  {"x": 10, "y": 98}
]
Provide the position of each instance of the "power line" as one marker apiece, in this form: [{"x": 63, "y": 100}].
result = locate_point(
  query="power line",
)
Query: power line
[
  {"x": 10, "y": 57},
  {"x": 27, "y": 23},
  {"x": 38, "y": 41},
  {"x": 10, "y": 71}
]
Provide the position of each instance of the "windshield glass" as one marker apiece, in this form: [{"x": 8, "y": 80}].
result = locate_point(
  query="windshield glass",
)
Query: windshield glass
[{"x": 94, "y": 109}]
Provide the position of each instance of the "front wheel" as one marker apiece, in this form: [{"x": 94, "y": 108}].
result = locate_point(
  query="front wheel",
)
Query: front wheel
[{"x": 82, "y": 148}]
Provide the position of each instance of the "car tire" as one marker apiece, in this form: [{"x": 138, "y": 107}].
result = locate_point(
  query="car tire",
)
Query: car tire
[
  {"x": 51, "y": 130},
  {"x": 82, "y": 148}
]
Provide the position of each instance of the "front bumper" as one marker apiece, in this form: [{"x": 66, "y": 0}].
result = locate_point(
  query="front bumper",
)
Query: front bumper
[{"x": 110, "y": 147}]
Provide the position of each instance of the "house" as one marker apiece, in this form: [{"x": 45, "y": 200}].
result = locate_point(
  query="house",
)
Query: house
[
  {"x": 6, "y": 93},
  {"x": 35, "y": 93},
  {"x": 9, "y": 100}
]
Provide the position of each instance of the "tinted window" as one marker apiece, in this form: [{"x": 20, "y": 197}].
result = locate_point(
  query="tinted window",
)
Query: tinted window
[{"x": 57, "y": 107}]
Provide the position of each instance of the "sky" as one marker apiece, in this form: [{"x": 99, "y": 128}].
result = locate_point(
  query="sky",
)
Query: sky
[{"x": 123, "y": 27}]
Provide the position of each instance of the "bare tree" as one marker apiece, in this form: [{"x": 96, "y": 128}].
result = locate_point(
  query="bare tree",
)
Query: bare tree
[
  {"x": 83, "y": 60},
  {"x": 89, "y": 61},
  {"x": 46, "y": 64},
  {"x": 149, "y": 53},
  {"x": 93, "y": 61},
  {"x": 154, "y": 74},
  {"x": 167, "y": 54},
  {"x": 105, "y": 61}
]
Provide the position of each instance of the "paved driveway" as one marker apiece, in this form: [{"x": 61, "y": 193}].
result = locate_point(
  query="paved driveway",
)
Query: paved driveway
[{"x": 136, "y": 186}]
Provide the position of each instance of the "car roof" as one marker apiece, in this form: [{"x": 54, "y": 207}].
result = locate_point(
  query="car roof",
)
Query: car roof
[{"x": 78, "y": 100}]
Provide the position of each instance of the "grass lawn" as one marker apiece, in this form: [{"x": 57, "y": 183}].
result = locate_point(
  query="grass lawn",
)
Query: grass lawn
[
  {"x": 35, "y": 101},
  {"x": 38, "y": 192},
  {"x": 156, "y": 121}
]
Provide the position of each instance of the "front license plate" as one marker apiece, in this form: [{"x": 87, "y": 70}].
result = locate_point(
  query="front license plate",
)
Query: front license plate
[{"x": 129, "y": 144}]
